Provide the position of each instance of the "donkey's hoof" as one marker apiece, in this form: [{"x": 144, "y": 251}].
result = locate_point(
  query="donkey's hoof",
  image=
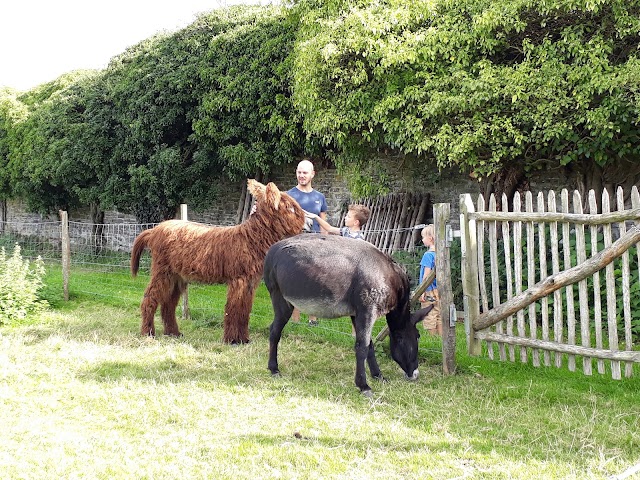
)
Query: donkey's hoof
[
  {"x": 275, "y": 374},
  {"x": 367, "y": 393}
]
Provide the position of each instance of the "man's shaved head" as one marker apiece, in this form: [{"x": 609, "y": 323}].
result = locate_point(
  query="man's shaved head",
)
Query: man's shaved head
[{"x": 306, "y": 165}]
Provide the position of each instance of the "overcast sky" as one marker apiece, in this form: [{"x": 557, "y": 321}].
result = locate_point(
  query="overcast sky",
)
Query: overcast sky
[{"x": 42, "y": 39}]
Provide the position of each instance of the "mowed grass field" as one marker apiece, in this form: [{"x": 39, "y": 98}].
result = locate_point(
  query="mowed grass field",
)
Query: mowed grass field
[{"x": 83, "y": 395}]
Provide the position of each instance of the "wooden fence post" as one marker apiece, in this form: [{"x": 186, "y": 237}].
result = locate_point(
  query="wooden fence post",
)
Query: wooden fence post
[
  {"x": 185, "y": 295},
  {"x": 441, "y": 216},
  {"x": 66, "y": 252}
]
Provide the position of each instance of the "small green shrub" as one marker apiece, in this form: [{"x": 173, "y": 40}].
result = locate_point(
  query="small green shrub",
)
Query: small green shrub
[{"x": 20, "y": 282}]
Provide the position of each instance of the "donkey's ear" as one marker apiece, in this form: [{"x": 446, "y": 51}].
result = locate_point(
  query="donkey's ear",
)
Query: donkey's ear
[
  {"x": 420, "y": 314},
  {"x": 273, "y": 195},
  {"x": 256, "y": 189}
]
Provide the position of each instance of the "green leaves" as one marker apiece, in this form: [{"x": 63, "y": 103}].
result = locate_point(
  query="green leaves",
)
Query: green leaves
[
  {"x": 20, "y": 285},
  {"x": 245, "y": 115},
  {"x": 474, "y": 83}
]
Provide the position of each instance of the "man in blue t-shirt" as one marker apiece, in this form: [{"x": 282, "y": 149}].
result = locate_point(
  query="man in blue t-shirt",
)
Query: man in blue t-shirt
[{"x": 311, "y": 201}]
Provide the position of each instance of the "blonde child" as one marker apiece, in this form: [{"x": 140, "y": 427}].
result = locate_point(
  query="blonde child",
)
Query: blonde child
[{"x": 432, "y": 322}]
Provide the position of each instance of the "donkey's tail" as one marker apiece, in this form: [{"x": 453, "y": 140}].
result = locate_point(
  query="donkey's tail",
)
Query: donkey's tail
[{"x": 139, "y": 244}]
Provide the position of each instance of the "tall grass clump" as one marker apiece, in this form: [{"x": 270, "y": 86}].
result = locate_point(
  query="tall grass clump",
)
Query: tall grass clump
[{"x": 20, "y": 285}]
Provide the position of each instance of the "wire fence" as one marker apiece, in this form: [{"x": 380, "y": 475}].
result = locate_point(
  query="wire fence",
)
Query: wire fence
[
  {"x": 35, "y": 239},
  {"x": 100, "y": 269},
  {"x": 107, "y": 247}
]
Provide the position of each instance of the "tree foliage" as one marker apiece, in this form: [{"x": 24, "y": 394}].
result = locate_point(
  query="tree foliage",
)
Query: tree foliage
[
  {"x": 11, "y": 112},
  {"x": 39, "y": 163},
  {"x": 246, "y": 116},
  {"x": 482, "y": 85},
  {"x": 478, "y": 84}
]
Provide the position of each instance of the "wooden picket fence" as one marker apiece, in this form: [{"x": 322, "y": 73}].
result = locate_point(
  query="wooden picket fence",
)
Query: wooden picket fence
[{"x": 520, "y": 270}]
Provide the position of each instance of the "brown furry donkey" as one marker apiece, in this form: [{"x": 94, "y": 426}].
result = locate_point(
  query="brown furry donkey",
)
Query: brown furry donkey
[{"x": 183, "y": 252}]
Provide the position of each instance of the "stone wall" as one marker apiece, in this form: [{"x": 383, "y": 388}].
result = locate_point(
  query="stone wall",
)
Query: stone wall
[{"x": 327, "y": 181}]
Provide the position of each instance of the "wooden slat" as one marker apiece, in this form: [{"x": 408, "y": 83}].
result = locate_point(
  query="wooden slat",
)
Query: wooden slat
[
  {"x": 583, "y": 296},
  {"x": 562, "y": 347},
  {"x": 368, "y": 227},
  {"x": 626, "y": 289},
  {"x": 601, "y": 219},
  {"x": 413, "y": 221},
  {"x": 384, "y": 212},
  {"x": 635, "y": 203},
  {"x": 506, "y": 238},
  {"x": 566, "y": 251},
  {"x": 469, "y": 268},
  {"x": 397, "y": 224},
  {"x": 480, "y": 226},
  {"x": 531, "y": 277},
  {"x": 422, "y": 211},
  {"x": 517, "y": 271},
  {"x": 542, "y": 253},
  {"x": 402, "y": 221},
  {"x": 242, "y": 204},
  {"x": 611, "y": 293},
  {"x": 381, "y": 206},
  {"x": 555, "y": 268},
  {"x": 388, "y": 224},
  {"x": 495, "y": 274},
  {"x": 597, "y": 302}
]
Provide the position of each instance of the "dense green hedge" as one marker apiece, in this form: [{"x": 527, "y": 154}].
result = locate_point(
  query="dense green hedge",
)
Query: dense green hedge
[{"x": 483, "y": 85}]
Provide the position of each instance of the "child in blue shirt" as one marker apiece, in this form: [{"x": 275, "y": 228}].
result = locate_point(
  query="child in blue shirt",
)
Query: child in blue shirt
[{"x": 432, "y": 321}]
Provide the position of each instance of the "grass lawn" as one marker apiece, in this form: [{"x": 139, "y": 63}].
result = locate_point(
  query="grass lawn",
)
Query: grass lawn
[{"x": 82, "y": 395}]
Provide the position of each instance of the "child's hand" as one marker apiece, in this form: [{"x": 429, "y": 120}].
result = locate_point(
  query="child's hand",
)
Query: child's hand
[{"x": 310, "y": 215}]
